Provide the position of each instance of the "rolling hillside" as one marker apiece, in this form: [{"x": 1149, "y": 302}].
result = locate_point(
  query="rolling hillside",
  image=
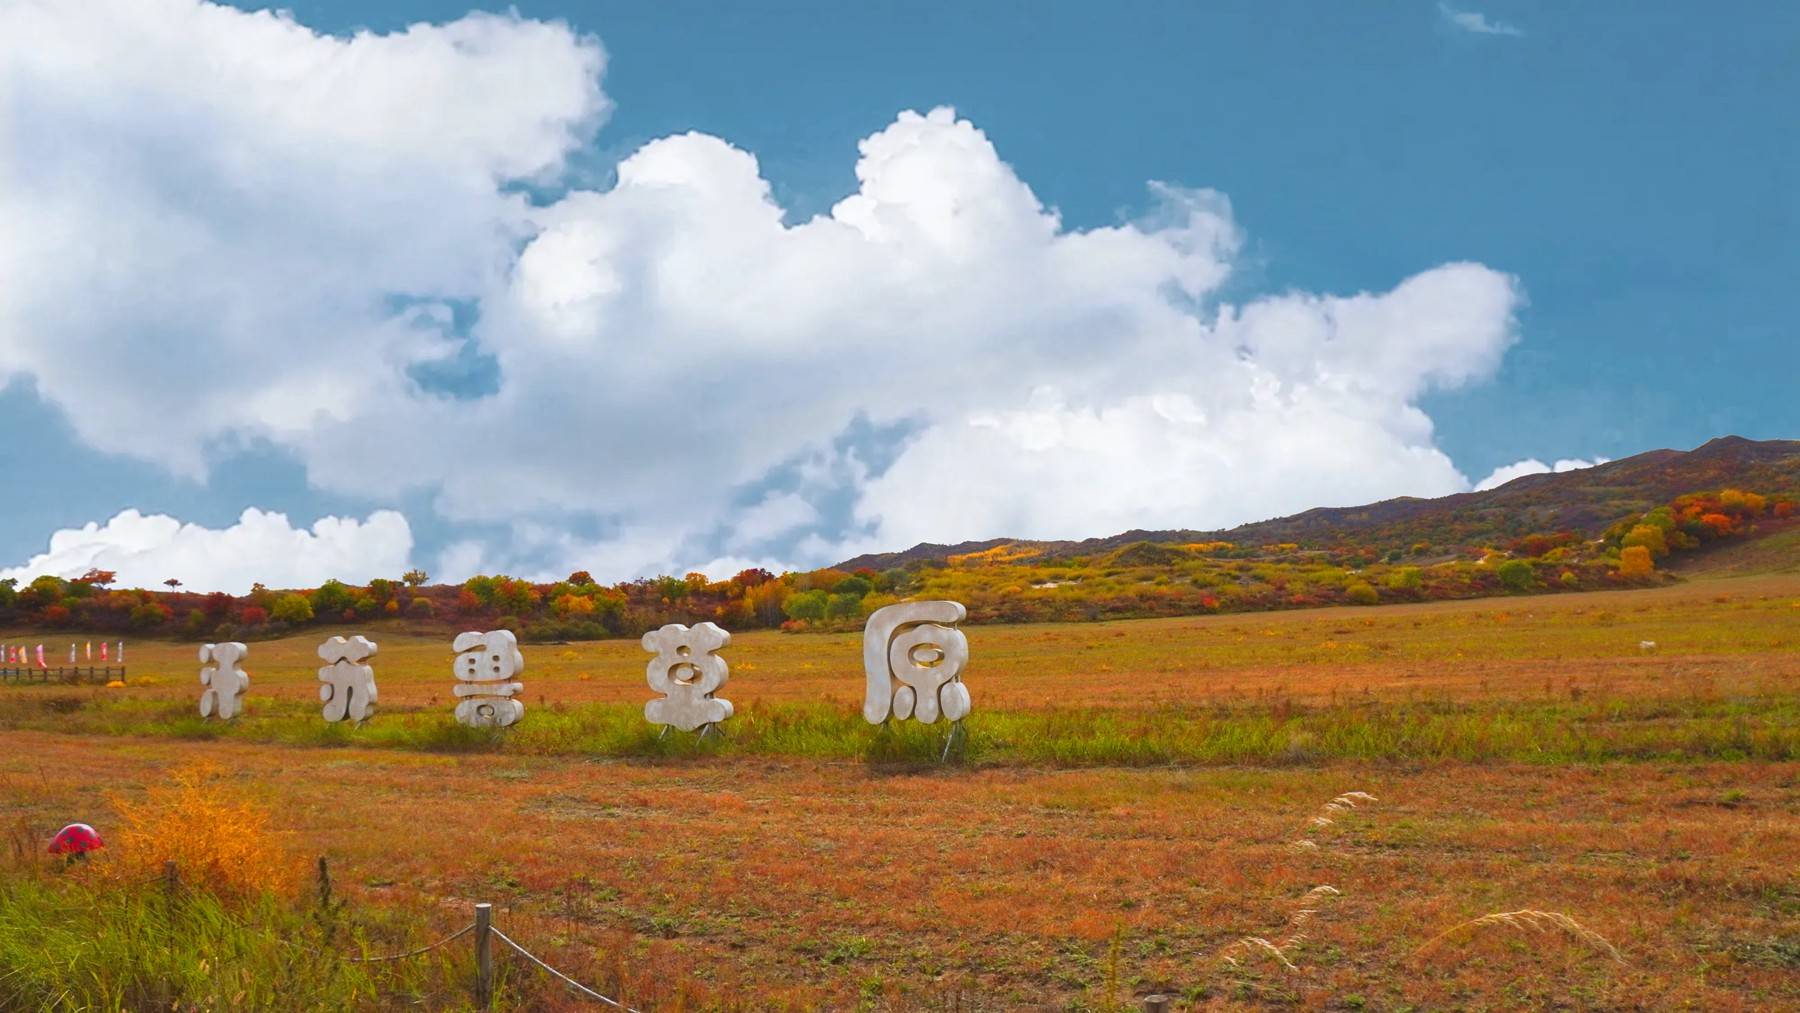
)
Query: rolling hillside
[
  {"x": 1731, "y": 506},
  {"x": 1586, "y": 502}
]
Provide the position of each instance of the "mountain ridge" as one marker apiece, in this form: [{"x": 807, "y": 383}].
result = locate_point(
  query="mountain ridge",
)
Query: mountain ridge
[{"x": 1586, "y": 501}]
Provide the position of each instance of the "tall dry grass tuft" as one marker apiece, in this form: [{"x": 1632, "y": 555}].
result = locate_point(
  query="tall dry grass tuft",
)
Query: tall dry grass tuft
[
  {"x": 219, "y": 839},
  {"x": 1535, "y": 922},
  {"x": 1308, "y": 905},
  {"x": 1252, "y": 945},
  {"x": 1303, "y": 913},
  {"x": 1319, "y": 893},
  {"x": 1324, "y": 817}
]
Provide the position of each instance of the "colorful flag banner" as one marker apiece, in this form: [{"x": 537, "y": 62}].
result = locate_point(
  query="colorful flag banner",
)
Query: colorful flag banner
[
  {"x": 102, "y": 650},
  {"x": 90, "y": 650},
  {"x": 71, "y": 654},
  {"x": 41, "y": 662}
]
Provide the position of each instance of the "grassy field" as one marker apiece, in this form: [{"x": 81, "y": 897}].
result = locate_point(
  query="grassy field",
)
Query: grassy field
[{"x": 1135, "y": 800}]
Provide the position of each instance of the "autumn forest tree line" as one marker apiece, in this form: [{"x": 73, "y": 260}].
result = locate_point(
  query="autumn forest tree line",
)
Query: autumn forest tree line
[{"x": 1006, "y": 583}]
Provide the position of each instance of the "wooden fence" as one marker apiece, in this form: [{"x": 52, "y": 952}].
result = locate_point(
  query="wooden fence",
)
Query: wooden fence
[{"x": 70, "y": 674}]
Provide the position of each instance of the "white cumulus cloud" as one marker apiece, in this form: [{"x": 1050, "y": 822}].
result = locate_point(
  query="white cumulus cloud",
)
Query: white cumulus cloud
[
  {"x": 145, "y": 550},
  {"x": 261, "y": 232},
  {"x": 1532, "y": 466},
  {"x": 210, "y": 213}
]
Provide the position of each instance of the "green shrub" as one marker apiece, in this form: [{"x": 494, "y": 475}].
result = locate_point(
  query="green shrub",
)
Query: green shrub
[
  {"x": 807, "y": 606},
  {"x": 1517, "y": 575},
  {"x": 292, "y": 608}
]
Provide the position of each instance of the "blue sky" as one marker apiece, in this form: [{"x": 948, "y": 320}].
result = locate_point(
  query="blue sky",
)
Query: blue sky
[{"x": 1629, "y": 167}]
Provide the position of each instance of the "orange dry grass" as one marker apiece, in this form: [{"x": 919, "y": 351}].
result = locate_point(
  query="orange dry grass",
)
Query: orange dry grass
[
  {"x": 217, "y": 837},
  {"x": 781, "y": 883}
]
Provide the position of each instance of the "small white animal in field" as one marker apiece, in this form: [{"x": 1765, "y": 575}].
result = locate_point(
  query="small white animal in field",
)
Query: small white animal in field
[{"x": 1646, "y": 645}]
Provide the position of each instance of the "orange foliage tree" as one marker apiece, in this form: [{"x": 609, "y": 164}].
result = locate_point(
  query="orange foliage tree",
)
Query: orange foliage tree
[{"x": 1635, "y": 561}]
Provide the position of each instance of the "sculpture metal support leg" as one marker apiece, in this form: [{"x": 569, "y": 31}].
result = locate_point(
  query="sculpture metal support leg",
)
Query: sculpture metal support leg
[{"x": 956, "y": 730}]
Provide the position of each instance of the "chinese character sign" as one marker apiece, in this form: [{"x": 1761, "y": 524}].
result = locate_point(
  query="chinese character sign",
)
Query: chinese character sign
[
  {"x": 687, "y": 671},
  {"x": 917, "y": 645},
  {"x": 348, "y": 688},
  {"x": 225, "y": 682},
  {"x": 486, "y": 663}
]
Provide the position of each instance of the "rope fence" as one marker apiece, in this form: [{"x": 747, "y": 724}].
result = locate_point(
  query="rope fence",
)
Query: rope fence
[
  {"x": 571, "y": 982},
  {"x": 482, "y": 928},
  {"x": 421, "y": 951}
]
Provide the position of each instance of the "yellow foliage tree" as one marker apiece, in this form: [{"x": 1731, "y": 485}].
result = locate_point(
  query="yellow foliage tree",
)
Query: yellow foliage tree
[
  {"x": 569, "y": 606},
  {"x": 1650, "y": 537},
  {"x": 1636, "y": 562}
]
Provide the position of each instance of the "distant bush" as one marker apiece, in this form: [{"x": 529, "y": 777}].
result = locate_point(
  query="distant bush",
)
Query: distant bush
[
  {"x": 855, "y": 586},
  {"x": 149, "y": 615},
  {"x": 843, "y": 606},
  {"x": 1651, "y": 537},
  {"x": 292, "y": 608},
  {"x": 807, "y": 606},
  {"x": 1407, "y": 578},
  {"x": 199, "y": 821},
  {"x": 1517, "y": 575},
  {"x": 1635, "y": 561},
  {"x": 331, "y": 598},
  {"x": 1362, "y": 593}
]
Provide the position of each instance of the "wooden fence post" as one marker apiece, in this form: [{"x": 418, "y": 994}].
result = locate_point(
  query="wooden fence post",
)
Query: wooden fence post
[
  {"x": 484, "y": 957},
  {"x": 324, "y": 883},
  {"x": 1156, "y": 1004},
  {"x": 171, "y": 878}
]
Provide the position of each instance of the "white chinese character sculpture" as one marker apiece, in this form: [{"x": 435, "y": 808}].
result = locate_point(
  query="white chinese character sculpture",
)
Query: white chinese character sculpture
[
  {"x": 349, "y": 684},
  {"x": 486, "y": 663},
  {"x": 917, "y": 644},
  {"x": 687, "y": 672},
  {"x": 225, "y": 682}
]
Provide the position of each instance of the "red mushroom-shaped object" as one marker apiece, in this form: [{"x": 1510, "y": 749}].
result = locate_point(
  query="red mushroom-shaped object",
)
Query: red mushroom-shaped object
[{"x": 74, "y": 840}]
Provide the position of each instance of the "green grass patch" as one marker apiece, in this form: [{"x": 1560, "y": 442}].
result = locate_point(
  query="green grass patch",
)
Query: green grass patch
[
  {"x": 1764, "y": 727},
  {"x": 70, "y": 944}
]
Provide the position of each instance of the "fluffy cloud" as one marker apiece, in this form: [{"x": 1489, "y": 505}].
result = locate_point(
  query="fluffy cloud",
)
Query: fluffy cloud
[
  {"x": 146, "y": 550},
  {"x": 211, "y": 214},
  {"x": 288, "y": 222},
  {"x": 1532, "y": 466}
]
